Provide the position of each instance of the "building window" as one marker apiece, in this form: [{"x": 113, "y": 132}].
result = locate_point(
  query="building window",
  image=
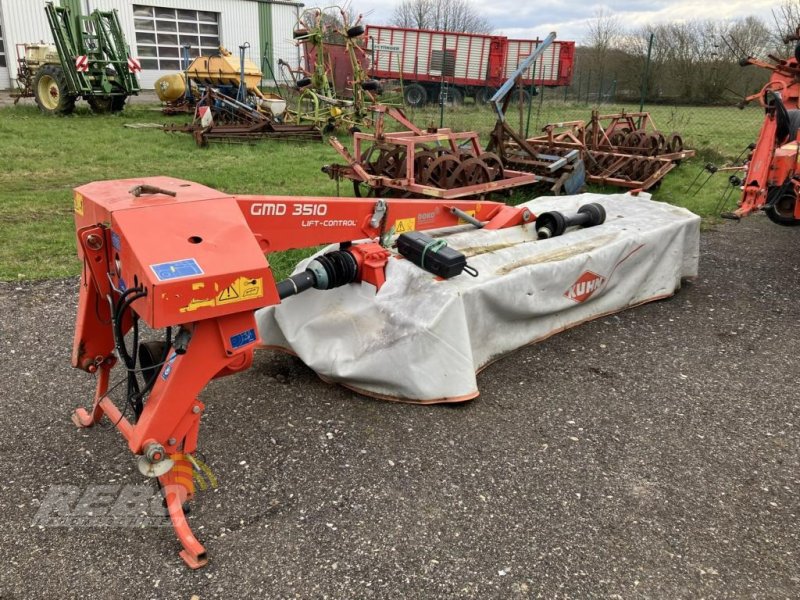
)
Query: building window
[
  {"x": 2, "y": 49},
  {"x": 161, "y": 32}
]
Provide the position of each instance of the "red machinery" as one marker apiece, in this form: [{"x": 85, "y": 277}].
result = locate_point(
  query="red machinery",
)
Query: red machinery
[
  {"x": 439, "y": 163},
  {"x": 772, "y": 179},
  {"x": 470, "y": 63},
  {"x": 191, "y": 260}
]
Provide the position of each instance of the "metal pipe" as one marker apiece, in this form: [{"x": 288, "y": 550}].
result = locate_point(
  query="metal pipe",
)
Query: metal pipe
[{"x": 500, "y": 94}]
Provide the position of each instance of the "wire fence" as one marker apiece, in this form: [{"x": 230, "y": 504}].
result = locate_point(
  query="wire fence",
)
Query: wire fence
[{"x": 717, "y": 133}]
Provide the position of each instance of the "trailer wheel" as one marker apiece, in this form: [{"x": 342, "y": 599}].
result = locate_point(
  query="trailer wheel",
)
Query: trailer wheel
[
  {"x": 454, "y": 97},
  {"x": 415, "y": 95},
  {"x": 780, "y": 210},
  {"x": 484, "y": 94},
  {"x": 515, "y": 96},
  {"x": 51, "y": 91}
]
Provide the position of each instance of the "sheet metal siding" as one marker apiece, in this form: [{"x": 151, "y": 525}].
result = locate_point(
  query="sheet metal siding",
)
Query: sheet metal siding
[
  {"x": 238, "y": 23},
  {"x": 284, "y": 18},
  {"x": 23, "y": 21}
]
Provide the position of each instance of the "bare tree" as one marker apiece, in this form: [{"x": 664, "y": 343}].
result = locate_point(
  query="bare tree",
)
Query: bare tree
[
  {"x": 443, "y": 15},
  {"x": 787, "y": 20},
  {"x": 604, "y": 35}
]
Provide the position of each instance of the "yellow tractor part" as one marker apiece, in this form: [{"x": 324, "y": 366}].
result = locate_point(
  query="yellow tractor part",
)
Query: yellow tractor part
[
  {"x": 223, "y": 69},
  {"x": 48, "y": 92},
  {"x": 220, "y": 69}
]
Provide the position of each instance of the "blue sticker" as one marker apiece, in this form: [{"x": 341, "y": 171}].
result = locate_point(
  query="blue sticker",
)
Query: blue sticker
[
  {"x": 176, "y": 269},
  {"x": 168, "y": 367},
  {"x": 242, "y": 339},
  {"x": 122, "y": 285},
  {"x": 115, "y": 241}
]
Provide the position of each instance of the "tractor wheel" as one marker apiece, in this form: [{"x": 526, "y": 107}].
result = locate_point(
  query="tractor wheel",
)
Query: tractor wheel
[
  {"x": 415, "y": 95},
  {"x": 51, "y": 91},
  {"x": 106, "y": 104},
  {"x": 118, "y": 103},
  {"x": 781, "y": 210},
  {"x": 100, "y": 104}
]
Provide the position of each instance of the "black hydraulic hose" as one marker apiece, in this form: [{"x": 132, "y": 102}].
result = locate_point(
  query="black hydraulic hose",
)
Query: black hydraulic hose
[{"x": 127, "y": 298}]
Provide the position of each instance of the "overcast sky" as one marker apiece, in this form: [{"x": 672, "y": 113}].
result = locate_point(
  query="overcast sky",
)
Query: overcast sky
[{"x": 532, "y": 18}]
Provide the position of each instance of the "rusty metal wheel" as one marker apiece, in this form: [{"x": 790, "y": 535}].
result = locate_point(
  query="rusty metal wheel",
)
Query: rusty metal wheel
[
  {"x": 369, "y": 160},
  {"x": 649, "y": 144},
  {"x": 422, "y": 159},
  {"x": 674, "y": 143},
  {"x": 439, "y": 170},
  {"x": 472, "y": 171},
  {"x": 392, "y": 164},
  {"x": 494, "y": 164}
]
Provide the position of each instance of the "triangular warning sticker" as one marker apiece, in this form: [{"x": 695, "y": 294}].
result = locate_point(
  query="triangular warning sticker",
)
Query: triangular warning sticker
[{"x": 229, "y": 293}]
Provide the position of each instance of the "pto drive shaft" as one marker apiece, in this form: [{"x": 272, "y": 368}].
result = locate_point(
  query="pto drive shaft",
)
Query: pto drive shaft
[{"x": 553, "y": 223}]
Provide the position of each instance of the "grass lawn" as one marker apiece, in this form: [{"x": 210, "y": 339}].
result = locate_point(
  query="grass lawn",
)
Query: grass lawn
[{"x": 42, "y": 158}]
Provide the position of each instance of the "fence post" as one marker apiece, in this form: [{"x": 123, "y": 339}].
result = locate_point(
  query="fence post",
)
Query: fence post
[
  {"x": 600, "y": 91},
  {"x": 646, "y": 72},
  {"x": 530, "y": 98},
  {"x": 588, "y": 87}
]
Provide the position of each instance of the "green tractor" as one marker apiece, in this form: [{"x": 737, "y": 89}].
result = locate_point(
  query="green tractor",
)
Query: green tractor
[{"x": 90, "y": 59}]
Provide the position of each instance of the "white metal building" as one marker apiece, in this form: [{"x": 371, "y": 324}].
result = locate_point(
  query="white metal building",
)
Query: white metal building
[{"x": 156, "y": 30}]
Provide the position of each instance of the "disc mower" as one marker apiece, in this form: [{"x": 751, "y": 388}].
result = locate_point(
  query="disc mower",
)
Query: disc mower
[{"x": 203, "y": 280}]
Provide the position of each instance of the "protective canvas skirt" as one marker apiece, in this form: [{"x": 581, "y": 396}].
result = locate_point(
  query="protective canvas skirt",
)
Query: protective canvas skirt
[{"x": 423, "y": 340}]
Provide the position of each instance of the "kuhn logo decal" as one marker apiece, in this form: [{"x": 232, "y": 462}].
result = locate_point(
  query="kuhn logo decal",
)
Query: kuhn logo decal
[{"x": 586, "y": 285}]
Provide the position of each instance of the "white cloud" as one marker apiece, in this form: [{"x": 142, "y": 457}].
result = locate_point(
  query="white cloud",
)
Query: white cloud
[{"x": 531, "y": 19}]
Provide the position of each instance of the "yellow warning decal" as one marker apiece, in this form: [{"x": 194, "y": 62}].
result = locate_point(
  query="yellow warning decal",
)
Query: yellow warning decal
[
  {"x": 405, "y": 225},
  {"x": 471, "y": 213},
  {"x": 79, "y": 203},
  {"x": 195, "y": 304},
  {"x": 241, "y": 290}
]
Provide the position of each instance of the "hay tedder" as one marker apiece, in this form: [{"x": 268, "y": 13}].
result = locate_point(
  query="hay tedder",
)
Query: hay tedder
[
  {"x": 772, "y": 178},
  {"x": 203, "y": 280},
  {"x": 322, "y": 101}
]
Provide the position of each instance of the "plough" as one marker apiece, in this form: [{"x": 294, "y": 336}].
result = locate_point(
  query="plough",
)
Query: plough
[
  {"x": 438, "y": 163},
  {"x": 201, "y": 284}
]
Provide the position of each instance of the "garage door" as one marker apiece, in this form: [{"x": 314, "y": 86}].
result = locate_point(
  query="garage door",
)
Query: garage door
[{"x": 5, "y": 81}]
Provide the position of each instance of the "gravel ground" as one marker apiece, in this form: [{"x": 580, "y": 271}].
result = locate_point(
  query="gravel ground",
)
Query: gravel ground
[{"x": 653, "y": 454}]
